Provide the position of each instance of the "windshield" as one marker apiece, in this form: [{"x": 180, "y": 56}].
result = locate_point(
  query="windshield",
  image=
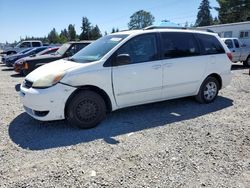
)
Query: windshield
[
  {"x": 63, "y": 49},
  {"x": 96, "y": 50}
]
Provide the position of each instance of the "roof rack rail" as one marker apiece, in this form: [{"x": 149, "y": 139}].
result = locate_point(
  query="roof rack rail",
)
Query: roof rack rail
[{"x": 183, "y": 28}]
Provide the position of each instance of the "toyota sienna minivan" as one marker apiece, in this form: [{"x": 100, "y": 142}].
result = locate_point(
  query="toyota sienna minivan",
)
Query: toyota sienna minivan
[{"x": 126, "y": 69}]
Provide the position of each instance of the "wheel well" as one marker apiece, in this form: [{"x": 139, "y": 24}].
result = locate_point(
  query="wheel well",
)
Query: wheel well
[
  {"x": 217, "y": 77},
  {"x": 101, "y": 92}
]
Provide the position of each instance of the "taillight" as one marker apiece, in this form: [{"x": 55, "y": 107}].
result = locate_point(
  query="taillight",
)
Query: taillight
[{"x": 230, "y": 56}]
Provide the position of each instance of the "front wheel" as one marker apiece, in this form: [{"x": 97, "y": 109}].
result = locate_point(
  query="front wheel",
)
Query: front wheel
[
  {"x": 247, "y": 62},
  {"x": 86, "y": 110},
  {"x": 208, "y": 91}
]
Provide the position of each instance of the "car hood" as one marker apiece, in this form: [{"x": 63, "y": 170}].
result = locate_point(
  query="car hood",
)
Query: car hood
[
  {"x": 51, "y": 69},
  {"x": 14, "y": 56},
  {"x": 41, "y": 57}
]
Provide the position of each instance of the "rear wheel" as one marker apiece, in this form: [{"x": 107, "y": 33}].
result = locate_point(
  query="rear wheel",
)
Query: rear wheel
[
  {"x": 208, "y": 90},
  {"x": 86, "y": 110},
  {"x": 247, "y": 62}
]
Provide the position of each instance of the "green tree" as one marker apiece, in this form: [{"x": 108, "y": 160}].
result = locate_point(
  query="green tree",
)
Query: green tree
[
  {"x": 86, "y": 29},
  {"x": 71, "y": 32},
  {"x": 113, "y": 30},
  {"x": 141, "y": 19},
  {"x": 216, "y": 21},
  {"x": 204, "y": 17},
  {"x": 231, "y": 11},
  {"x": 95, "y": 33},
  {"x": 53, "y": 36}
]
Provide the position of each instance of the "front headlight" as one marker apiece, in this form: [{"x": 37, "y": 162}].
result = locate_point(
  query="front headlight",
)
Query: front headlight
[{"x": 49, "y": 80}]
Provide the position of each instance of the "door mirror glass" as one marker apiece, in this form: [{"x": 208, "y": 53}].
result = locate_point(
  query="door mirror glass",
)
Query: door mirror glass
[{"x": 123, "y": 59}]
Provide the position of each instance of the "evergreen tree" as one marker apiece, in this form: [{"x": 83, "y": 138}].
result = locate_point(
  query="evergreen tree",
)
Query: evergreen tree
[
  {"x": 141, "y": 19},
  {"x": 71, "y": 32},
  {"x": 231, "y": 11},
  {"x": 204, "y": 17},
  {"x": 216, "y": 21},
  {"x": 86, "y": 29},
  {"x": 53, "y": 36},
  {"x": 113, "y": 30},
  {"x": 95, "y": 33}
]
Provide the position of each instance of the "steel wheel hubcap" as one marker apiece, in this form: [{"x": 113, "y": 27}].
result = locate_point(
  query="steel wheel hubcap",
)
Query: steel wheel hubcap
[
  {"x": 210, "y": 91},
  {"x": 87, "y": 110}
]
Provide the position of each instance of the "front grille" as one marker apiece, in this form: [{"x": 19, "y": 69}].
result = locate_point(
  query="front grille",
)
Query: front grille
[{"x": 27, "y": 84}]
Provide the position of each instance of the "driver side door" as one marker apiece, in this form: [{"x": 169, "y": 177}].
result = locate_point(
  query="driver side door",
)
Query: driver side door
[{"x": 140, "y": 81}]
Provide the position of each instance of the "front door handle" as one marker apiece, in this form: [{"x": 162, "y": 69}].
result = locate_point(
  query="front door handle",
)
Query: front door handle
[
  {"x": 168, "y": 65},
  {"x": 156, "y": 67}
]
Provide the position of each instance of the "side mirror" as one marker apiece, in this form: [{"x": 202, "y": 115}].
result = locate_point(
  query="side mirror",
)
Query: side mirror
[{"x": 123, "y": 59}]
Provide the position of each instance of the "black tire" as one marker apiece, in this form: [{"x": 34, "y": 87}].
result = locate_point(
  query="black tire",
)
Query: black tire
[
  {"x": 247, "y": 62},
  {"x": 86, "y": 110},
  {"x": 203, "y": 96}
]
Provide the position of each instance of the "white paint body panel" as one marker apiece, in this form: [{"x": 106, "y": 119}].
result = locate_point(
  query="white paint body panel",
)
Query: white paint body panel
[{"x": 127, "y": 85}]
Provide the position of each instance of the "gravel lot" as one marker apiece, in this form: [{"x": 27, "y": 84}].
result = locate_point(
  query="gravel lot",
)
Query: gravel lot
[{"x": 177, "y": 143}]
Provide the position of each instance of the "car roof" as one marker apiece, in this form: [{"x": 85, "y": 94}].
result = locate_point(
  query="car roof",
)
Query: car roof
[
  {"x": 81, "y": 42},
  {"x": 182, "y": 30}
]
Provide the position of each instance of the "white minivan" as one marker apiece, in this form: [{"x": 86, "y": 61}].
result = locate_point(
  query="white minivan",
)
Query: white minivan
[{"x": 126, "y": 69}]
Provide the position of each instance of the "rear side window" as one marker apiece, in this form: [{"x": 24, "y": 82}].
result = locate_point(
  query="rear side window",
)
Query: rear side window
[
  {"x": 210, "y": 44},
  {"x": 236, "y": 42},
  {"x": 179, "y": 44},
  {"x": 36, "y": 44},
  {"x": 229, "y": 43}
]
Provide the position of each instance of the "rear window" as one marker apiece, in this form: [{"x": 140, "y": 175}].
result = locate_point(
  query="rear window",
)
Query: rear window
[
  {"x": 210, "y": 44},
  {"x": 179, "y": 44},
  {"x": 237, "y": 45}
]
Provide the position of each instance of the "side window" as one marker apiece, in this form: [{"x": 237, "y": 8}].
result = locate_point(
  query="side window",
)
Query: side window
[
  {"x": 236, "y": 42},
  {"x": 210, "y": 44},
  {"x": 25, "y": 45},
  {"x": 142, "y": 48},
  {"x": 36, "y": 44},
  {"x": 39, "y": 50},
  {"x": 80, "y": 46},
  {"x": 179, "y": 44},
  {"x": 229, "y": 43}
]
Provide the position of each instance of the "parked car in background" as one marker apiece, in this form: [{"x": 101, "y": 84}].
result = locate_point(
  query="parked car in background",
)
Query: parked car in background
[
  {"x": 18, "y": 64},
  {"x": 10, "y": 60},
  {"x": 66, "y": 50},
  {"x": 240, "y": 52},
  {"x": 22, "y": 46},
  {"x": 21, "y": 52},
  {"x": 126, "y": 69},
  {"x": 50, "y": 50}
]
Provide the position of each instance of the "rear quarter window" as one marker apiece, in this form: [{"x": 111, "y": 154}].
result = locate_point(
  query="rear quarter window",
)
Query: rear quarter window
[
  {"x": 178, "y": 44},
  {"x": 210, "y": 44}
]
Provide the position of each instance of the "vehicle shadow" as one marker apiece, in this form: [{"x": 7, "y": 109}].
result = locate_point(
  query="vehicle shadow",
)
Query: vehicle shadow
[
  {"x": 17, "y": 75},
  {"x": 35, "y": 135},
  {"x": 8, "y": 69},
  {"x": 239, "y": 67}
]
